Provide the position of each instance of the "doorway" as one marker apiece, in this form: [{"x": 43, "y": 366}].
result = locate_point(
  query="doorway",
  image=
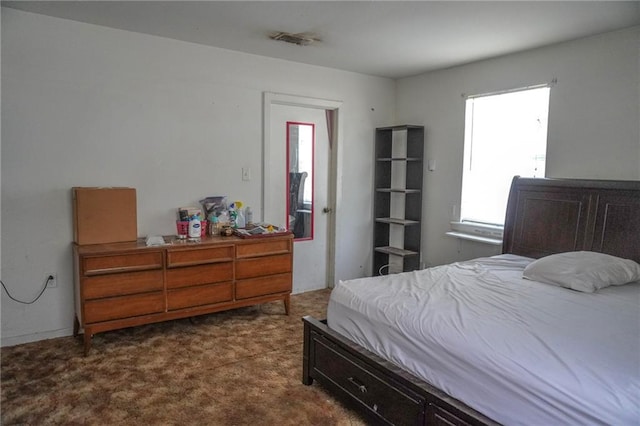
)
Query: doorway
[{"x": 314, "y": 259}]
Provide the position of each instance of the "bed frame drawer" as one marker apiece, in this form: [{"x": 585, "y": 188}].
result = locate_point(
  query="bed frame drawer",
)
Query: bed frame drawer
[
  {"x": 331, "y": 359},
  {"x": 438, "y": 416},
  {"x": 384, "y": 398}
]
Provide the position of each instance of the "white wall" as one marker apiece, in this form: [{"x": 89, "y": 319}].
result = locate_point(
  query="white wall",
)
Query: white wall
[
  {"x": 593, "y": 121},
  {"x": 84, "y": 105}
]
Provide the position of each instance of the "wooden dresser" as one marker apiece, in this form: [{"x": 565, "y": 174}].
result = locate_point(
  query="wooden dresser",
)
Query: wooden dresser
[{"x": 122, "y": 285}]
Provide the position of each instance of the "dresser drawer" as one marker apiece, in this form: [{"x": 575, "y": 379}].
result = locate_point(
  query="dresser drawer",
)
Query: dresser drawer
[
  {"x": 439, "y": 416},
  {"x": 108, "y": 285},
  {"x": 200, "y": 295},
  {"x": 198, "y": 275},
  {"x": 263, "y": 248},
  {"x": 261, "y": 286},
  {"x": 262, "y": 266},
  {"x": 105, "y": 264},
  {"x": 378, "y": 393},
  {"x": 123, "y": 307},
  {"x": 198, "y": 256}
]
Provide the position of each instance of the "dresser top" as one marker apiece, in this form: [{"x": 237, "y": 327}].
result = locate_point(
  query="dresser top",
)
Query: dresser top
[{"x": 172, "y": 242}]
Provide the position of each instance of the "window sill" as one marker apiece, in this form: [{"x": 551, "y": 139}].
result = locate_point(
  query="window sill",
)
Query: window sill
[
  {"x": 479, "y": 232},
  {"x": 476, "y": 238}
]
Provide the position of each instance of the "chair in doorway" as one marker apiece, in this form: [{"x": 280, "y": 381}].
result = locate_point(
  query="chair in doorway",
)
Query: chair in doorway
[{"x": 296, "y": 202}]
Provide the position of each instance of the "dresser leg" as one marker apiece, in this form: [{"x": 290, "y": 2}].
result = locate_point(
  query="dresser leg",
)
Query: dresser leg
[
  {"x": 76, "y": 326},
  {"x": 287, "y": 304},
  {"x": 87, "y": 342}
]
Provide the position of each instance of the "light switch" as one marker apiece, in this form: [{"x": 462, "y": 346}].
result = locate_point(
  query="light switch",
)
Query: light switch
[{"x": 246, "y": 173}]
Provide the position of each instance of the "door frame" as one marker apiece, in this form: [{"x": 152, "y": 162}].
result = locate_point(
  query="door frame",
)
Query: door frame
[{"x": 335, "y": 156}]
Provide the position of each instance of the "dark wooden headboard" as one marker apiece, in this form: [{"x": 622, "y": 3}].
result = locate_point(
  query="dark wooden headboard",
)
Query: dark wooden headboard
[{"x": 546, "y": 216}]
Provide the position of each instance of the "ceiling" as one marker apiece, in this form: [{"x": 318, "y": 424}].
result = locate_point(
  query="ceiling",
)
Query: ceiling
[{"x": 383, "y": 38}]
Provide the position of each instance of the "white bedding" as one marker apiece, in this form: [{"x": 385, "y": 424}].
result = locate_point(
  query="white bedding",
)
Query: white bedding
[{"x": 518, "y": 351}]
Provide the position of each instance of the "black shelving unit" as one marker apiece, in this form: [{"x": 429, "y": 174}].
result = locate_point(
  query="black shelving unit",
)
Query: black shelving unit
[{"x": 399, "y": 152}]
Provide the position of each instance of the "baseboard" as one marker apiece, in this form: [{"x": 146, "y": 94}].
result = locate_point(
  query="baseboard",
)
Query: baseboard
[
  {"x": 65, "y": 332},
  {"x": 29, "y": 338}
]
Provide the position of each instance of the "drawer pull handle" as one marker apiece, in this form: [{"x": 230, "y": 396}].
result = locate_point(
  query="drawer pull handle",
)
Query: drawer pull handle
[{"x": 357, "y": 384}]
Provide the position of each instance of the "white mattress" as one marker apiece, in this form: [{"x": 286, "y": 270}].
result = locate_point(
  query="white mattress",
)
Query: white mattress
[{"x": 518, "y": 351}]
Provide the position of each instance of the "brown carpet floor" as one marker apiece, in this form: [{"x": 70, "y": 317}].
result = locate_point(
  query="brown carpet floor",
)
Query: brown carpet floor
[{"x": 241, "y": 367}]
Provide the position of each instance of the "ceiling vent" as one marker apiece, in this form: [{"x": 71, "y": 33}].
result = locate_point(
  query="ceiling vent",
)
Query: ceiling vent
[{"x": 301, "y": 39}]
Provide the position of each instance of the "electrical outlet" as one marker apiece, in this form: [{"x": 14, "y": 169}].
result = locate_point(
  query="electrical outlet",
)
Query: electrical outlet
[{"x": 52, "y": 280}]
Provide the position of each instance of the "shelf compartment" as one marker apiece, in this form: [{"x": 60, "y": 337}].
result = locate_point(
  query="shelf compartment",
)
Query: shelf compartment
[
  {"x": 396, "y": 251},
  {"x": 399, "y": 190},
  {"x": 397, "y": 221},
  {"x": 399, "y": 159}
]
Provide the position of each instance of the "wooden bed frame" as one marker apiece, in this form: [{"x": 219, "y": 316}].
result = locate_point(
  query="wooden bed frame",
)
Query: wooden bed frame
[{"x": 544, "y": 216}]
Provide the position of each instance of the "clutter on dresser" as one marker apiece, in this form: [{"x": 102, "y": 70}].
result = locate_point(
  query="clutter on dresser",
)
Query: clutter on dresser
[
  {"x": 220, "y": 213},
  {"x": 195, "y": 227},
  {"x": 218, "y": 217},
  {"x": 226, "y": 231},
  {"x": 214, "y": 226},
  {"x": 237, "y": 215},
  {"x": 190, "y": 223},
  {"x": 155, "y": 240},
  {"x": 213, "y": 205},
  {"x": 256, "y": 230}
]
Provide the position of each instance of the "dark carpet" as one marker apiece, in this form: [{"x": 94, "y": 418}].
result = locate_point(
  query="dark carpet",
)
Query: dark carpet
[{"x": 240, "y": 367}]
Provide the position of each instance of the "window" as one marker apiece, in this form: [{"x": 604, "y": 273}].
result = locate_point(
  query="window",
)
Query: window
[{"x": 505, "y": 135}]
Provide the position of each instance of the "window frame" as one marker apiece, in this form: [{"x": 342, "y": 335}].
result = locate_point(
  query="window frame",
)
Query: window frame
[{"x": 490, "y": 233}]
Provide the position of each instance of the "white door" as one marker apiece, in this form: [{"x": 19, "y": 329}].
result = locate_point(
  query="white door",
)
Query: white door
[{"x": 310, "y": 255}]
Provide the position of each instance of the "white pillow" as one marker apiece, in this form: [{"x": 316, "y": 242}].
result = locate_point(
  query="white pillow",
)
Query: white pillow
[{"x": 585, "y": 271}]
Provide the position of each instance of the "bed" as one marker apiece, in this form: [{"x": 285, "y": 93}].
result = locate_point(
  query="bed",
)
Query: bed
[{"x": 476, "y": 343}]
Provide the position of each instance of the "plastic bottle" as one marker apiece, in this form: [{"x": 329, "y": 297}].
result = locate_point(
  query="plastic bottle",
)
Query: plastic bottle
[
  {"x": 248, "y": 215},
  {"x": 233, "y": 218},
  {"x": 214, "y": 228},
  {"x": 240, "y": 220},
  {"x": 224, "y": 218},
  {"x": 194, "y": 227}
]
